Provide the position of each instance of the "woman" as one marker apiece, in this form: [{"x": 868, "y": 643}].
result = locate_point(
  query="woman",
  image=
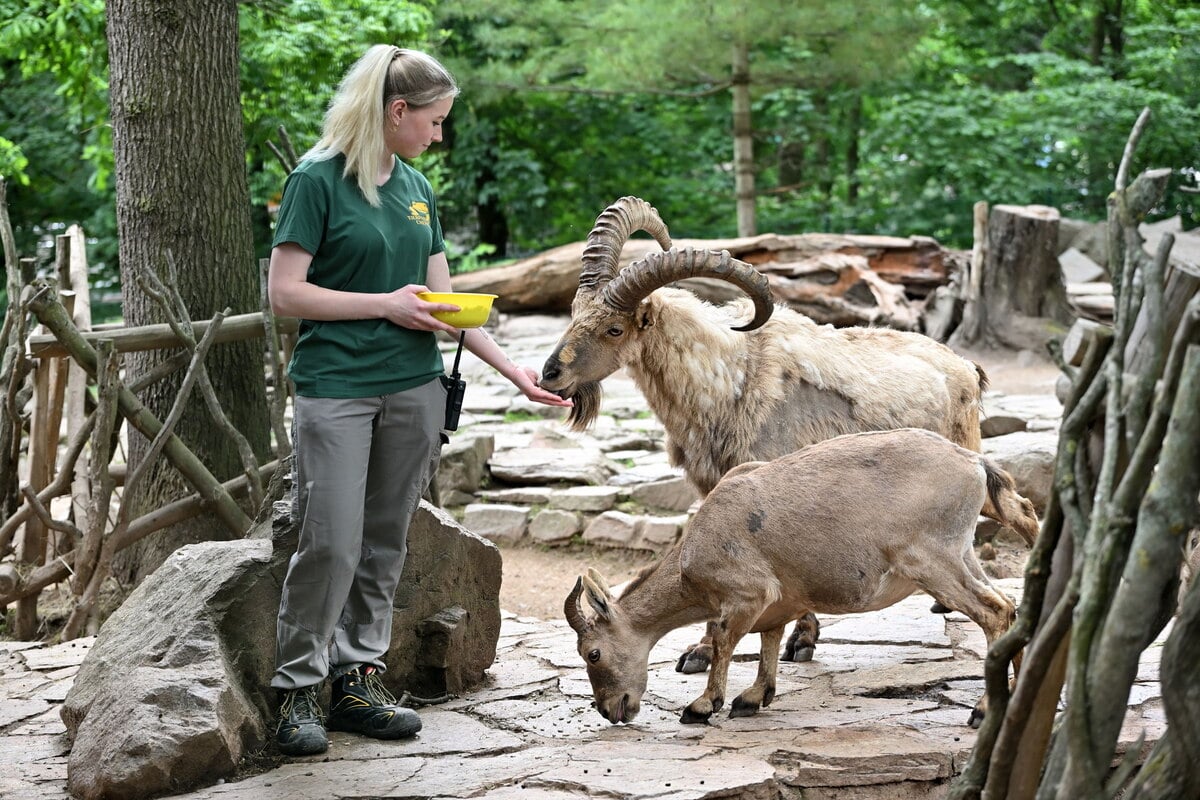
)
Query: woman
[{"x": 357, "y": 238}]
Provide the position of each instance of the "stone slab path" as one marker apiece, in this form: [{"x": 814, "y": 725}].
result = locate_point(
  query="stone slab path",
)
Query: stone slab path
[{"x": 879, "y": 713}]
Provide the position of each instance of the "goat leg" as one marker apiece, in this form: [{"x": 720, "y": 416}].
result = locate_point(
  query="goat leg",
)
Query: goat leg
[
  {"x": 762, "y": 691},
  {"x": 734, "y": 623},
  {"x": 697, "y": 657},
  {"x": 803, "y": 641},
  {"x": 970, "y": 592}
]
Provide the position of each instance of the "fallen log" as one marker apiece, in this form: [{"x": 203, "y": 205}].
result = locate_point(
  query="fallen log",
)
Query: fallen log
[{"x": 547, "y": 281}]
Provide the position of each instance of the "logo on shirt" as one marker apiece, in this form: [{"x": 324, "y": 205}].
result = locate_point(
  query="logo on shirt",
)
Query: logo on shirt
[{"x": 418, "y": 212}]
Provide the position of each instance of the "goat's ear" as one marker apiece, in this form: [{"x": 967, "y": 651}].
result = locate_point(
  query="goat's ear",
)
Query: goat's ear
[
  {"x": 598, "y": 599},
  {"x": 646, "y": 313},
  {"x": 600, "y": 582}
]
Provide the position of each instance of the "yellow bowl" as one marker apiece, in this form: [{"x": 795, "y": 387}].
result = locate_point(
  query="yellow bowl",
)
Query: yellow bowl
[{"x": 475, "y": 308}]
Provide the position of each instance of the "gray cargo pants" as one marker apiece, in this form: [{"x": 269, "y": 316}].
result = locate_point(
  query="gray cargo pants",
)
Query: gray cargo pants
[{"x": 361, "y": 467}]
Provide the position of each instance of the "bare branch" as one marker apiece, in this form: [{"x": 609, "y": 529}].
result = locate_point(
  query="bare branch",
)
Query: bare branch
[
  {"x": 138, "y": 529},
  {"x": 177, "y": 408},
  {"x": 279, "y": 379},
  {"x": 105, "y": 418},
  {"x": 52, "y": 314},
  {"x": 1135, "y": 135},
  {"x": 178, "y": 318},
  {"x": 57, "y": 487},
  {"x": 43, "y": 514}
]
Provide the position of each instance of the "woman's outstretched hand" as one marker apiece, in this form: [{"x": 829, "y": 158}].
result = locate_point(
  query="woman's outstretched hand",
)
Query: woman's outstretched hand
[{"x": 527, "y": 381}]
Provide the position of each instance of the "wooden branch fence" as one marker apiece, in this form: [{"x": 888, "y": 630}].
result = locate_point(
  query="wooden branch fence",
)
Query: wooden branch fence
[{"x": 60, "y": 523}]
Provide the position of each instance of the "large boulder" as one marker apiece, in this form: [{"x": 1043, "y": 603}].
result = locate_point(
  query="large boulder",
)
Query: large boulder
[{"x": 176, "y": 687}]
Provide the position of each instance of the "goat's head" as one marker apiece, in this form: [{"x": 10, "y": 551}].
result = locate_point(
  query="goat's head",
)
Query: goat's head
[
  {"x": 613, "y": 307},
  {"x": 616, "y": 656}
]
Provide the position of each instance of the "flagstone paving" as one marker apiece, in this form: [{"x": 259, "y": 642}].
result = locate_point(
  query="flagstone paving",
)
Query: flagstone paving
[{"x": 880, "y": 712}]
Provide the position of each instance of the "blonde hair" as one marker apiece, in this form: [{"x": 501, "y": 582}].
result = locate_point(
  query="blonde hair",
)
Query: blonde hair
[{"x": 355, "y": 118}]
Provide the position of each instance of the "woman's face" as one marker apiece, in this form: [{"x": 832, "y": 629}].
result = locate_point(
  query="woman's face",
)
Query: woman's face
[{"x": 411, "y": 131}]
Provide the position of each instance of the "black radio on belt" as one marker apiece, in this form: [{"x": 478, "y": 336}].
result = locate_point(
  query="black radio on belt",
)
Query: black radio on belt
[{"x": 456, "y": 389}]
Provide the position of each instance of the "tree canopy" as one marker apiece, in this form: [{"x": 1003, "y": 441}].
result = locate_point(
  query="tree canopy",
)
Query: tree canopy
[{"x": 868, "y": 117}]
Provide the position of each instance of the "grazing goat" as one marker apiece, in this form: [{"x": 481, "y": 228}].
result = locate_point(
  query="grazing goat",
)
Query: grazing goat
[
  {"x": 851, "y": 524},
  {"x": 756, "y": 392}
]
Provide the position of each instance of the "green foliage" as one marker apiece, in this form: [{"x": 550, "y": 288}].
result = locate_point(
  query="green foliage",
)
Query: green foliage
[
  {"x": 65, "y": 38},
  {"x": 1005, "y": 107},
  {"x": 553, "y": 163},
  {"x": 868, "y": 115},
  {"x": 474, "y": 259},
  {"x": 12, "y": 163},
  {"x": 293, "y": 56}
]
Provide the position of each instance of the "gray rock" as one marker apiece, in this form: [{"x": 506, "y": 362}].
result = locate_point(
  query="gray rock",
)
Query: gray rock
[
  {"x": 1000, "y": 424},
  {"x": 463, "y": 464},
  {"x": 497, "y": 522},
  {"x": 645, "y": 473},
  {"x": 1078, "y": 268},
  {"x": 612, "y": 529},
  {"x": 671, "y": 494},
  {"x": 176, "y": 686},
  {"x": 1091, "y": 239},
  {"x": 520, "y": 495},
  {"x": 553, "y": 526},
  {"x": 659, "y": 533},
  {"x": 446, "y": 614},
  {"x": 585, "y": 498},
  {"x": 157, "y": 705},
  {"x": 545, "y": 465}
]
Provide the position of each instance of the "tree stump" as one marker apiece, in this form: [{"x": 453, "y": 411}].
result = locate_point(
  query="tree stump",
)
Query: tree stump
[{"x": 1022, "y": 301}]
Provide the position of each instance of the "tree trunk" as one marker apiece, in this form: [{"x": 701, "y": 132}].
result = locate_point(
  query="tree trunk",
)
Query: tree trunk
[
  {"x": 823, "y": 148},
  {"x": 1022, "y": 294},
  {"x": 743, "y": 142},
  {"x": 493, "y": 222},
  {"x": 182, "y": 193},
  {"x": 853, "y": 123}
]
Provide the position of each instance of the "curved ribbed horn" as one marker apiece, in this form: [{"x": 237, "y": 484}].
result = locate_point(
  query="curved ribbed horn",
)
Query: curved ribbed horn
[
  {"x": 571, "y": 609},
  {"x": 658, "y": 269},
  {"x": 613, "y": 227}
]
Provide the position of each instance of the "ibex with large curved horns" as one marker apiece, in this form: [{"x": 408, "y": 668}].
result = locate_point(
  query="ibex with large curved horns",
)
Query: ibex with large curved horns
[{"x": 728, "y": 393}]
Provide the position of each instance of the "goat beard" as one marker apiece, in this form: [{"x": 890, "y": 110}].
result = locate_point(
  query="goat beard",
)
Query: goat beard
[{"x": 587, "y": 399}]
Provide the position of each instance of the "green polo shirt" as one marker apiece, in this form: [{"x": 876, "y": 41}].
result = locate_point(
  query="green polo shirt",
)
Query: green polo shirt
[{"x": 357, "y": 247}]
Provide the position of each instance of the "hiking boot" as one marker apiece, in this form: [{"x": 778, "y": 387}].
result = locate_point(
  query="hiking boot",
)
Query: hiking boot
[
  {"x": 361, "y": 704},
  {"x": 300, "y": 731}
]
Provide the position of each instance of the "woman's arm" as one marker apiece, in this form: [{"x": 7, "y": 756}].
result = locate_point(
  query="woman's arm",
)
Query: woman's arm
[
  {"x": 292, "y": 295},
  {"x": 485, "y": 347}
]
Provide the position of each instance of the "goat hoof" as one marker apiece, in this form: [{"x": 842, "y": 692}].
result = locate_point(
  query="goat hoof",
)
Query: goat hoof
[
  {"x": 690, "y": 717},
  {"x": 800, "y": 654},
  {"x": 691, "y": 663},
  {"x": 938, "y": 608},
  {"x": 976, "y": 718},
  {"x": 743, "y": 708},
  {"x": 768, "y": 696}
]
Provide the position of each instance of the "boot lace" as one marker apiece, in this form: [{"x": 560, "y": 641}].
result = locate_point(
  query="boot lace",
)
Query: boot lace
[
  {"x": 376, "y": 690},
  {"x": 301, "y": 702}
]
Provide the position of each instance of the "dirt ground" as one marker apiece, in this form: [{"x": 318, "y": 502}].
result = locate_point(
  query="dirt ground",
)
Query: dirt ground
[{"x": 537, "y": 579}]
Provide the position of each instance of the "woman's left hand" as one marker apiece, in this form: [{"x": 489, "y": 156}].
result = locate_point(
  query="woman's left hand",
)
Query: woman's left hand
[{"x": 527, "y": 381}]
